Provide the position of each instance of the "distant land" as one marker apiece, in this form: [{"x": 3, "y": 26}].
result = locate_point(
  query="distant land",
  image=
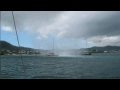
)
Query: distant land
[
  {"x": 106, "y": 48},
  {"x": 7, "y": 46}
]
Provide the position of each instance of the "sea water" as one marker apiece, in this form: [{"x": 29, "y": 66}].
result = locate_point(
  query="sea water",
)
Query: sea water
[{"x": 95, "y": 66}]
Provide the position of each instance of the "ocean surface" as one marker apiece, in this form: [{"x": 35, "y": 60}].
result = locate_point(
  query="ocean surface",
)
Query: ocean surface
[{"x": 96, "y": 66}]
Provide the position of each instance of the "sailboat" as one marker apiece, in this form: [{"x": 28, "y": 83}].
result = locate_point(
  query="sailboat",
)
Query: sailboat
[
  {"x": 86, "y": 52},
  {"x": 52, "y": 53}
]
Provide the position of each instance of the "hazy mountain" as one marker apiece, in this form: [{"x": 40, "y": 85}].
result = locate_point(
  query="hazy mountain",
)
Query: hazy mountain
[
  {"x": 107, "y": 48},
  {"x": 7, "y": 46}
]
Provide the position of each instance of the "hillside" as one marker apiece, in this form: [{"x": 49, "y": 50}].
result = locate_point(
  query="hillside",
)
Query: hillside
[
  {"x": 7, "y": 46},
  {"x": 106, "y": 48}
]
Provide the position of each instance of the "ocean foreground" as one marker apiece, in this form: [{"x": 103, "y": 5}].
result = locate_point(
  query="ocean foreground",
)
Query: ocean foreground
[{"x": 96, "y": 66}]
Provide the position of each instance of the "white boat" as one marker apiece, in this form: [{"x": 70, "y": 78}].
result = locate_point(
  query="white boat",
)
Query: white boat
[
  {"x": 52, "y": 53},
  {"x": 86, "y": 52}
]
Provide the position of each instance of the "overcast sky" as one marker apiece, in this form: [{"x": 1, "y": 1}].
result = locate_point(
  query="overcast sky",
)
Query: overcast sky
[{"x": 69, "y": 28}]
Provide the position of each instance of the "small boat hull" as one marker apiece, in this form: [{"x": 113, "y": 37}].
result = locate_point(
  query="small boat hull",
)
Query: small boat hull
[{"x": 86, "y": 54}]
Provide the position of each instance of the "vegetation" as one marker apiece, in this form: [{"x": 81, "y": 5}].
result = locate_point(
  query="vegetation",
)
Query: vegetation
[
  {"x": 106, "y": 48},
  {"x": 7, "y": 48}
]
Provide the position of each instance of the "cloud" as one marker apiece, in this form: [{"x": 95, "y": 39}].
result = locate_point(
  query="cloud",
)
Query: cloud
[
  {"x": 95, "y": 26},
  {"x": 104, "y": 40},
  {"x": 7, "y": 28}
]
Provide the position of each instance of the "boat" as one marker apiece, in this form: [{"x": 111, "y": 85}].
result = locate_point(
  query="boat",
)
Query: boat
[
  {"x": 52, "y": 53},
  {"x": 87, "y": 52}
]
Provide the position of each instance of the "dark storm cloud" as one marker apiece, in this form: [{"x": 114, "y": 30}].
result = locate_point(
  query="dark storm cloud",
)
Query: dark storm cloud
[{"x": 92, "y": 25}]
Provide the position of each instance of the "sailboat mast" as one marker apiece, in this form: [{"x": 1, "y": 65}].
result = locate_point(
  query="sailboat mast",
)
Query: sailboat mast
[
  {"x": 18, "y": 44},
  {"x": 86, "y": 44},
  {"x": 0, "y": 45},
  {"x": 53, "y": 45}
]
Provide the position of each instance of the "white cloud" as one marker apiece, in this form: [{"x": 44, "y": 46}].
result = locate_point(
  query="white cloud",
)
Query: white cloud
[
  {"x": 92, "y": 25},
  {"x": 104, "y": 40},
  {"x": 7, "y": 28}
]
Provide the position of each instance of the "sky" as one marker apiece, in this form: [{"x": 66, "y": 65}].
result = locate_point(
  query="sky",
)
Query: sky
[{"x": 70, "y": 29}]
